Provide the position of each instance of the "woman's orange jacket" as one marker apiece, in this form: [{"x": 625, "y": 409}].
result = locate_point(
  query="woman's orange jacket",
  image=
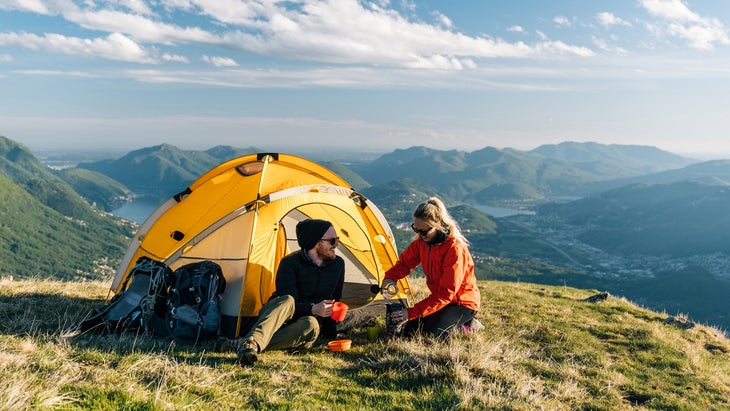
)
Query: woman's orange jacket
[{"x": 449, "y": 271}]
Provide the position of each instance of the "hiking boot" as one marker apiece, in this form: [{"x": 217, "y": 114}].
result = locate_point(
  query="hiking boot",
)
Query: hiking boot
[
  {"x": 247, "y": 352},
  {"x": 476, "y": 325},
  {"x": 224, "y": 344}
]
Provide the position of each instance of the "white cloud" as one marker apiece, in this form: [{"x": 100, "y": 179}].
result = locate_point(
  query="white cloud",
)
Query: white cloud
[
  {"x": 138, "y": 27},
  {"x": 609, "y": 19},
  {"x": 176, "y": 4},
  {"x": 701, "y": 36},
  {"x": 232, "y": 12},
  {"x": 137, "y": 6},
  {"x": 561, "y": 21},
  {"x": 6, "y": 58},
  {"x": 558, "y": 47},
  {"x": 674, "y": 10},
  {"x": 354, "y": 78},
  {"x": 516, "y": 29},
  {"x": 603, "y": 45},
  {"x": 443, "y": 20},
  {"x": 35, "y": 6},
  {"x": 57, "y": 73},
  {"x": 115, "y": 46},
  {"x": 220, "y": 61},
  {"x": 679, "y": 21},
  {"x": 348, "y": 32},
  {"x": 331, "y": 31},
  {"x": 176, "y": 58}
]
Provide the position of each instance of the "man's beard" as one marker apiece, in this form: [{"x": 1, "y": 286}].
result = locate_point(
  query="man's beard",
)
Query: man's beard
[{"x": 325, "y": 255}]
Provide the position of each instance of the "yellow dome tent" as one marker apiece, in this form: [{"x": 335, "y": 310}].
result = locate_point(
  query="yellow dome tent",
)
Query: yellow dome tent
[{"x": 242, "y": 215}]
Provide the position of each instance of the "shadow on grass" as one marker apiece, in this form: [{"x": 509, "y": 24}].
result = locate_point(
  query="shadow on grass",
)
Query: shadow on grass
[
  {"x": 43, "y": 313},
  {"x": 54, "y": 316},
  {"x": 415, "y": 381}
]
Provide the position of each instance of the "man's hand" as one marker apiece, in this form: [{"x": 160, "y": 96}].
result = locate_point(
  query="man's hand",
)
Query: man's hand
[{"x": 323, "y": 308}]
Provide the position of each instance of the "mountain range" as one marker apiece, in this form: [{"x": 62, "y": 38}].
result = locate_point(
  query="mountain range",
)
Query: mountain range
[
  {"x": 491, "y": 174},
  {"x": 483, "y": 176}
]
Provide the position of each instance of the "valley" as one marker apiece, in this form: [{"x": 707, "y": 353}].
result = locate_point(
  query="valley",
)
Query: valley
[{"x": 589, "y": 260}]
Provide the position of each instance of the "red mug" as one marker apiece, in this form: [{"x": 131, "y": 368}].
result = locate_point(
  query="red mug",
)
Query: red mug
[{"x": 339, "y": 309}]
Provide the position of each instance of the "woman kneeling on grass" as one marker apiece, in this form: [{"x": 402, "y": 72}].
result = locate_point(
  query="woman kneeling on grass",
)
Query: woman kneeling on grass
[{"x": 443, "y": 253}]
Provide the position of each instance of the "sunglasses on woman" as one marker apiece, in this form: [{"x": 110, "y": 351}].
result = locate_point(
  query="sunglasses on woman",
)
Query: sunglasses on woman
[
  {"x": 332, "y": 241},
  {"x": 421, "y": 232}
]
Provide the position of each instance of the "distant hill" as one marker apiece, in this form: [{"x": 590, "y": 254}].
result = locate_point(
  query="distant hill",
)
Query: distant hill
[
  {"x": 714, "y": 172},
  {"x": 491, "y": 174},
  {"x": 165, "y": 168},
  {"x": 46, "y": 228},
  {"x": 98, "y": 189},
  {"x": 613, "y": 159},
  {"x": 19, "y": 165},
  {"x": 677, "y": 219},
  {"x": 473, "y": 221},
  {"x": 356, "y": 181}
]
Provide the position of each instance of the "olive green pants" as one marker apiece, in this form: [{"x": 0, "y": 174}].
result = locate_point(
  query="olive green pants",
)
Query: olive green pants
[{"x": 274, "y": 330}]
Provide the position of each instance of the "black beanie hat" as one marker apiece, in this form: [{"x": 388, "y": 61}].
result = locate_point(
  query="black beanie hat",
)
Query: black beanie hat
[{"x": 309, "y": 232}]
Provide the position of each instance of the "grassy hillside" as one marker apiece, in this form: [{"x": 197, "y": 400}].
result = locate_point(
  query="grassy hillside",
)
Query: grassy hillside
[
  {"x": 47, "y": 228},
  {"x": 19, "y": 165},
  {"x": 36, "y": 239},
  {"x": 543, "y": 348},
  {"x": 98, "y": 189}
]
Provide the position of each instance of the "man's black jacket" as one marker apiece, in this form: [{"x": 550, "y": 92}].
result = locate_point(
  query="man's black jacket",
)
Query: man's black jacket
[{"x": 309, "y": 284}]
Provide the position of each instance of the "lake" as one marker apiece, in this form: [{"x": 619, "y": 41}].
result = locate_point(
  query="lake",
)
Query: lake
[
  {"x": 498, "y": 212},
  {"x": 139, "y": 208}
]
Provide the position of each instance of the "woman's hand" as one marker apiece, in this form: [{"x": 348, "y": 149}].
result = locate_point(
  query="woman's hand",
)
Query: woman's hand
[
  {"x": 323, "y": 308},
  {"x": 399, "y": 317},
  {"x": 388, "y": 285}
]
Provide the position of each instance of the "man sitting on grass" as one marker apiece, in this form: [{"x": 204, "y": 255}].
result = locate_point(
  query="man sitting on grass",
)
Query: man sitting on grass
[{"x": 308, "y": 281}]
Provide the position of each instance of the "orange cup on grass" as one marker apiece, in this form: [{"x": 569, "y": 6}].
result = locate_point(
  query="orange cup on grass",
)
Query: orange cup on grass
[
  {"x": 339, "y": 309},
  {"x": 339, "y": 345}
]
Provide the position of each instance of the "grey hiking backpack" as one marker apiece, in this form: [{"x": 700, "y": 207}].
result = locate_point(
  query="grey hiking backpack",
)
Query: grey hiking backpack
[{"x": 144, "y": 287}]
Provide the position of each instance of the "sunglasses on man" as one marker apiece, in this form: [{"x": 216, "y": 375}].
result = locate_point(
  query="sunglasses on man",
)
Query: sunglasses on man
[{"x": 332, "y": 241}]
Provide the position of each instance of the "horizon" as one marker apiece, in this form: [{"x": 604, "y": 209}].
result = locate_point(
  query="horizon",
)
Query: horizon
[
  {"x": 370, "y": 75},
  {"x": 56, "y": 154}
]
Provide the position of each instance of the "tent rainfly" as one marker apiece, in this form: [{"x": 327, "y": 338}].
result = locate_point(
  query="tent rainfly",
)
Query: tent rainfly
[{"x": 242, "y": 215}]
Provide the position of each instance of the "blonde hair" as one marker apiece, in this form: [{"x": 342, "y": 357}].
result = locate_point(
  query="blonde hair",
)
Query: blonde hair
[{"x": 435, "y": 213}]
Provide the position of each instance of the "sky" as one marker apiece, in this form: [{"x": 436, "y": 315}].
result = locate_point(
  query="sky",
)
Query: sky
[{"x": 365, "y": 75}]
